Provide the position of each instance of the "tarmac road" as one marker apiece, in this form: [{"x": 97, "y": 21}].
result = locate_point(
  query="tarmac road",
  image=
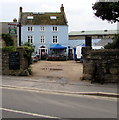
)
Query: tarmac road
[
  {"x": 59, "y": 78},
  {"x": 18, "y": 103}
]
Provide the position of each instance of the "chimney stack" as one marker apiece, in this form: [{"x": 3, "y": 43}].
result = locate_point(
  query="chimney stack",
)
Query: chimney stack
[
  {"x": 20, "y": 13},
  {"x": 20, "y": 10},
  {"x": 62, "y": 8}
]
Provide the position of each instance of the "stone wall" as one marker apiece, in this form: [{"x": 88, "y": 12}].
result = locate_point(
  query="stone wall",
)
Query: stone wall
[
  {"x": 24, "y": 66},
  {"x": 100, "y": 65}
]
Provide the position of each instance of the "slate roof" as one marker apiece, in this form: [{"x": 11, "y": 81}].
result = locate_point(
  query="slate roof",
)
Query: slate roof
[
  {"x": 104, "y": 42},
  {"x": 95, "y": 32},
  {"x": 43, "y": 18}
]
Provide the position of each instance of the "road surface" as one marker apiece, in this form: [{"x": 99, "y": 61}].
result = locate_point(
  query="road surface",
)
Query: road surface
[{"x": 18, "y": 103}]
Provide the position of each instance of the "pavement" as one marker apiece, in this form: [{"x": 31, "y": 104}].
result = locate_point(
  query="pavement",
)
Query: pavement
[{"x": 60, "y": 85}]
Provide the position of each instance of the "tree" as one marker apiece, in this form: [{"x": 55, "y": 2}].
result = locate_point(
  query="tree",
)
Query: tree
[
  {"x": 8, "y": 39},
  {"x": 107, "y": 11}
]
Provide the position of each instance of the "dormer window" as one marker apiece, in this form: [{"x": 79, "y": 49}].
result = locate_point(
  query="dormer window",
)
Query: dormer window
[
  {"x": 29, "y": 17},
  {"x": 53, "y": 17}
]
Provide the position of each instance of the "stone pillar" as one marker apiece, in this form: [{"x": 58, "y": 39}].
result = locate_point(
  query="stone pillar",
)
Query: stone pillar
[
  {"x": 87, "y": 63},
  {"x": 23, "y": 59},
  {"x": 86, "y": 51},
  {"x": 88, "y": 41}
]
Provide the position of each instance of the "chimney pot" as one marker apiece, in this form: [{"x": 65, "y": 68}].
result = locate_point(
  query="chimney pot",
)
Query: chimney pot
[
  {"x": 20, "y": 9},
  {"x": 14, "y": 20},
  {"x": 62, "y": 8}
]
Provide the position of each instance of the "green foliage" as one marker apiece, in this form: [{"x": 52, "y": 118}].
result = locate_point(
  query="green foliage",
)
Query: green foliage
[
  {"x": 30, "y": 71},
  {"x": 29, "y": 46},
  {"x": 8, "y": 39},
  {"x": 114, "y": 44},
  {"x": 9, "y": 49},
  {"x": 29, "y": 49},
  {"x": 107, "y": 11}
]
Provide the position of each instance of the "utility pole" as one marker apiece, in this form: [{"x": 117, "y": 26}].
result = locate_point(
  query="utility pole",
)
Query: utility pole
[{"x": 19, "y": 25}]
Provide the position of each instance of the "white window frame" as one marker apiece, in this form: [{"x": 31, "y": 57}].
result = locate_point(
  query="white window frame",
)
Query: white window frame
[
  {"x": 30, "y": 39},
  {"x": 42, "y": 28},
  {"x": 42, "y": 39},
  {"x": 54, "y": 28},
  {"x": 54, "y": 39},
  {"x": 29, "y": 28}
]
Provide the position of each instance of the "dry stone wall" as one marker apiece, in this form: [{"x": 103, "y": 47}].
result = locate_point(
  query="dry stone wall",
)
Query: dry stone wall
[
  {"x": 101, "y": 65},
  {"x": 23, "y": 64}
]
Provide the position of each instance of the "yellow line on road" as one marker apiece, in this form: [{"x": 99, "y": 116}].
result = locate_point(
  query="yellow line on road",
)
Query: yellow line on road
[{"x": 27, "y": 113}]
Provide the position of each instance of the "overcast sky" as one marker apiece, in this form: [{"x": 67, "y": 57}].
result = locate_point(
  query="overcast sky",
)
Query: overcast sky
[{"x": 79, "y": 13}]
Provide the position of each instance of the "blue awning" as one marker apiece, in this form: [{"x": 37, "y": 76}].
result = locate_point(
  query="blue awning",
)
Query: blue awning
[{"x": 57, "y": 46}]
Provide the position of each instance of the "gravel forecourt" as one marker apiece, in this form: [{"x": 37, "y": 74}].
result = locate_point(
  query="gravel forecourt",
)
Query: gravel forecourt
[{"x": 65, "y": 70}]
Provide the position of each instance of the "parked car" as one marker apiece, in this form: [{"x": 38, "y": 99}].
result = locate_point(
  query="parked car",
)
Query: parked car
[
  {"x": 34, "y": 58},
  {"x": 38, "y": 56}
]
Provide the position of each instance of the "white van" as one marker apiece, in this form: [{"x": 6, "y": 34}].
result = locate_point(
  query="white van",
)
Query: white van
[
  {"x": 78, "y": 53},
  {"x": 79, "y": 49}
]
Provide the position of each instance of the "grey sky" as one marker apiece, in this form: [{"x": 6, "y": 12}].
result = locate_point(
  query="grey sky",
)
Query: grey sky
[{"x": 79, "y": 13}]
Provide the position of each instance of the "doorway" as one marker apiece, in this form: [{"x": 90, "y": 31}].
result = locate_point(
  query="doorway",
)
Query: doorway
[{"x": 43, "y": 52}]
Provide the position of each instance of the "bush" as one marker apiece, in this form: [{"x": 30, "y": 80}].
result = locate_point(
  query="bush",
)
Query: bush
[
  {"x": 29, "y": 49},
  {"x": 8, "y": 39},
  {"x": 28, "y": 52},
  {"x": 27, "y": 44},
  {"x": 9, "y": 49}
]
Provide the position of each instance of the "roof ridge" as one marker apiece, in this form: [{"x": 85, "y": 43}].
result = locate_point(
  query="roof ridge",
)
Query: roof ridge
[
  {"x": 93, "y": 30},
  {"x": 41, "y": 12}
]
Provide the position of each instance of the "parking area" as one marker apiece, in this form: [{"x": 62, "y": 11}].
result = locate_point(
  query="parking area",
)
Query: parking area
[{"x": 64, "y": 70}]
